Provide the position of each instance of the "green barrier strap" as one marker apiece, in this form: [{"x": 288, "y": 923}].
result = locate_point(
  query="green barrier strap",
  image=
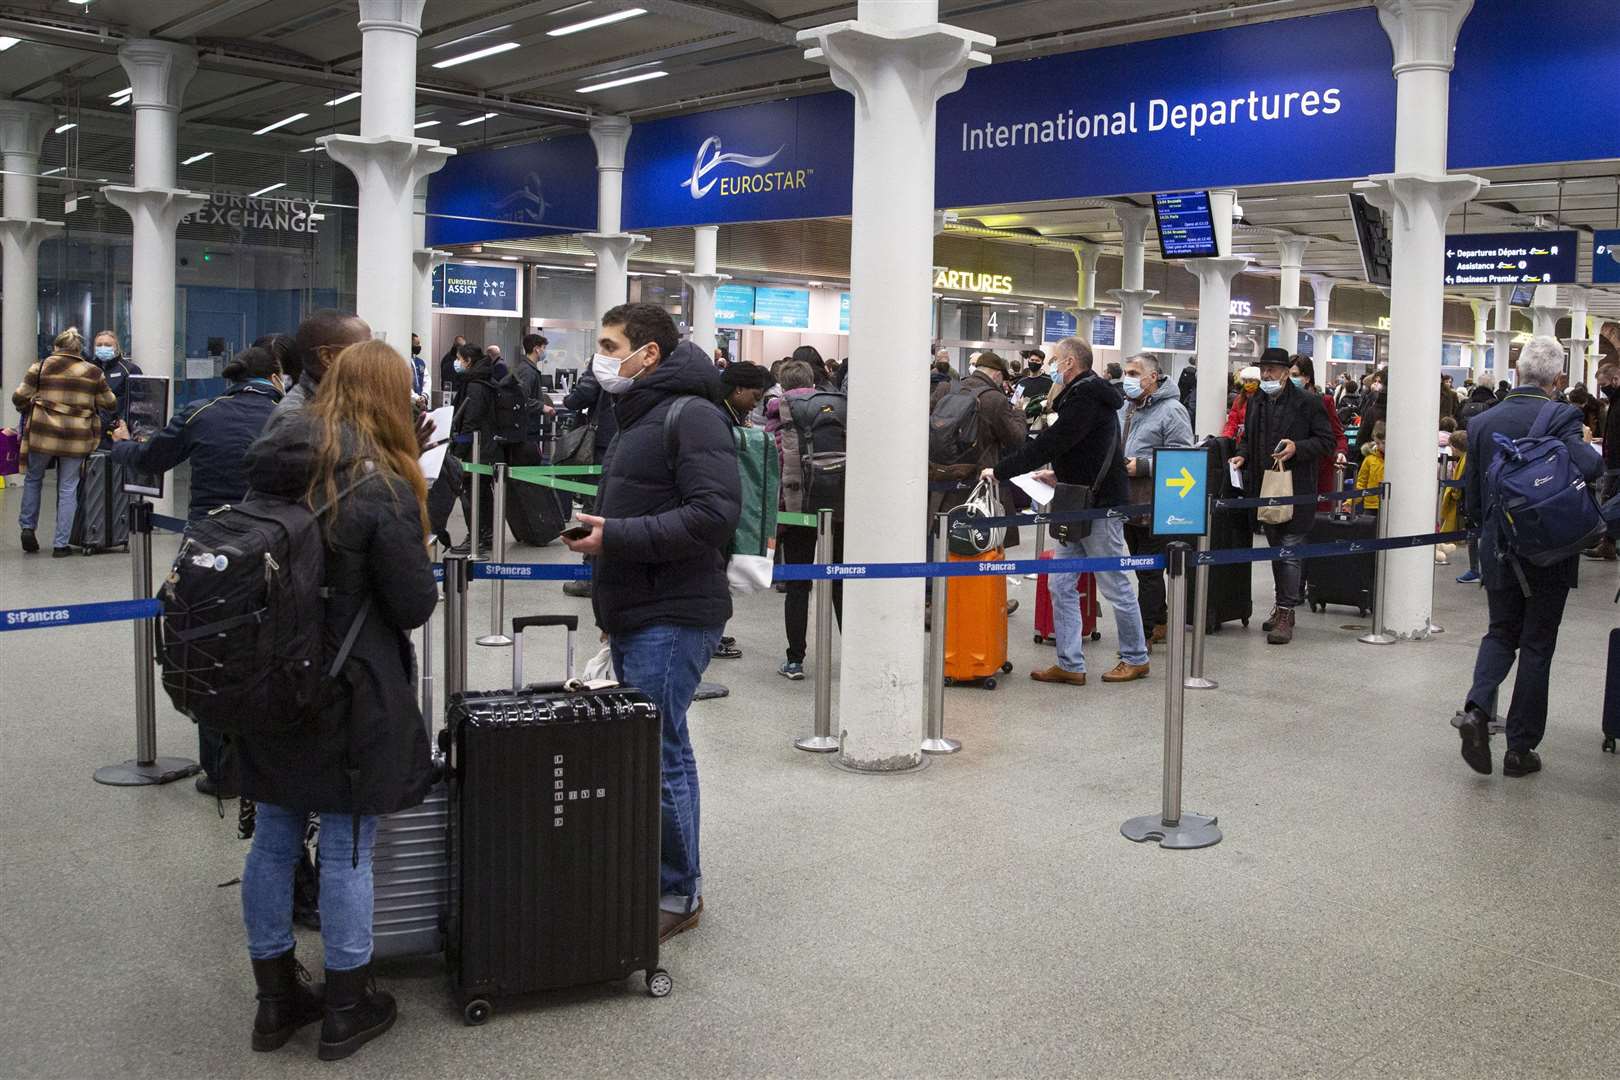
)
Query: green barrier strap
[
  {"x": 556, "y": 482},
  {"x": 522, "y": 471},
  {"x": 479, "y": 470},
  {"x": 551, "y": 476},
  {"x": 783, "y": 517}
]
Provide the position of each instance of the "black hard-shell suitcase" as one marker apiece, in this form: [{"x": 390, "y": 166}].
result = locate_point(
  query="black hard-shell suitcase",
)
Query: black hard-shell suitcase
[
  {"x": 535, "y": 514},
  {"x": 1231, "y": 597},
  {"x": 101, "y": 521},
  {"x": 1611, "y": 694},
  {"x": 554, "y": 838},
  {"x": 1346, "y": 580}
]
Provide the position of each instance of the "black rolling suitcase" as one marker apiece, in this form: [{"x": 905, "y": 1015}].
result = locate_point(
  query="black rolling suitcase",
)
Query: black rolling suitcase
[
  {"x": 554, "y": 837},
  {"x": 101, "y": 521},
  {"x": 1611, "y": 695},
  {"x": 1346, "y": 580},
  {"x": 536, "y": 514},
  {"x": 1231, "y": 597}
]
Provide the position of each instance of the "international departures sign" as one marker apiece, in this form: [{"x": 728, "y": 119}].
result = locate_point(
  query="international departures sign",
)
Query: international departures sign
[{"x": 1293, "y": 100}]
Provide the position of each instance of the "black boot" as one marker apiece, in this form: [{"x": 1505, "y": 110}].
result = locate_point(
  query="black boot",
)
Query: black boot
[
  {"x": 356, "y": 1012},
  {"x": 287, "y": 1001}
]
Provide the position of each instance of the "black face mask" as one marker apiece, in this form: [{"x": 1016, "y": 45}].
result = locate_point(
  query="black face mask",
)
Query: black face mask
[
  {"x": 416, "y": 350},
  {"x": 1612, "y": 391}
]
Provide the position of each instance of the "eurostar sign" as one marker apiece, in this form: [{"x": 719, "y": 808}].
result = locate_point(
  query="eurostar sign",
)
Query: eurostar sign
[{"x": 971, "y": 281}]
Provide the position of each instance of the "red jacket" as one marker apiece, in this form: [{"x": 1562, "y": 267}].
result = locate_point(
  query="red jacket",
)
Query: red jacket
[
  {"x": 1235, "y": 417},
  {"x": 1324, "y": 473}
]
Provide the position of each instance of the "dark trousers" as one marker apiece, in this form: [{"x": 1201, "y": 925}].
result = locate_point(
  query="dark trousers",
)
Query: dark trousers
[
  {"x": 1527, "y": 626},
  {"x": 799, "y": 546},
  {"x": 1289, "y": 574},
  {"x": 1149, "y": 583}
]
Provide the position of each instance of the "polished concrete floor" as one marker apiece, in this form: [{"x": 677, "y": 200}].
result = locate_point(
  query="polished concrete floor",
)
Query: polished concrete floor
[{"x": 1376, "y": 909}]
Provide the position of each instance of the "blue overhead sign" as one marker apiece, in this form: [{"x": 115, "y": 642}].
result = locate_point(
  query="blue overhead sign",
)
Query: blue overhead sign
[
  {"x": 1512, "y": 258},
  {"x": 1058, "y": 324},
  {"x": 476, "y": 289},
  {"x": 734, "y": 305},
  {"x": 536, "y": 189},
  {"x": 785, "y": 308},
  {"x": 1180, "y": 492},
  {"x": 1606, "y": 257}
]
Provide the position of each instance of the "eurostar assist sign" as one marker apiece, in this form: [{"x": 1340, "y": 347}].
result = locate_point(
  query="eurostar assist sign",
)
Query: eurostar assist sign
[{"x": 1516, "y": 258}]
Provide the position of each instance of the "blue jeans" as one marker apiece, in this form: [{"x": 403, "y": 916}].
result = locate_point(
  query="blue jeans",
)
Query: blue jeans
[
  {"x": 666, "y": 663},
  {"x": 267, "y": 886},
  {"x": 67, "y": 494},
  {"x": 1107, "y": 540}
]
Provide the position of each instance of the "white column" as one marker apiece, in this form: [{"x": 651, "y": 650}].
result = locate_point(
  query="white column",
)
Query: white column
[
  {"x": 1482, "y": 315},
  {"x": 1321, "y": 337},
  {"x": 1421, "y": 197},
  {"x": 1085, "y": 258},
  {"x": 1544, "y": 311},
  {"x": 22, "y": 132},
  {"x": 610, "y": 242},
  {"x": 896, "y": 60},
  {"x": 158, "y": 74},
  {"x": 387, "y": 161},
  {"x": 704, "y": 281},
  {"x": 1578, "y": 341},
  {"x": 1502, "y": 335},
  {"x": 1215, "y": 315},
  {"x": 1291, "y": 250},
  {"x": 1132, "y": 297}
]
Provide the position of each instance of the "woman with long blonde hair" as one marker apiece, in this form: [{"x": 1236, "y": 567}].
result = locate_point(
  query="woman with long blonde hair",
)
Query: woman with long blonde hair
[{"x": 350, "y": 456}]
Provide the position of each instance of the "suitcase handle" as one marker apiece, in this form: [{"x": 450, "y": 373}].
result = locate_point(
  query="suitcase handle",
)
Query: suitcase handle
[{"x": 570, "y": 623}]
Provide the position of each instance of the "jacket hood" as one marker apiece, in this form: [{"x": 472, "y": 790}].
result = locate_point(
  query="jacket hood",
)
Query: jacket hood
[
  {"x": 281, "y": 461},
  {"x": 686, "y": 372},
  {"x": 1093, "y": 386},
  {"x": 1165, "y": 392}
]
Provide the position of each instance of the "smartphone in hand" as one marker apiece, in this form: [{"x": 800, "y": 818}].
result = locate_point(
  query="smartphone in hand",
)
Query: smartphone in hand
[{"x": 578, "y": 532}]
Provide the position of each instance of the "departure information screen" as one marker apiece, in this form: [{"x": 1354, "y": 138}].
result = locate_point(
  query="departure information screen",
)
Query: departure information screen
[
  {"x": 1186, "y": 226},
  {"x": 1514, "y": 258}
]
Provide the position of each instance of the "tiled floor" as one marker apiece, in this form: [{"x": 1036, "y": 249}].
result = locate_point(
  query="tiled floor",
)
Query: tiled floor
[{"x": 1376, "y": 910}]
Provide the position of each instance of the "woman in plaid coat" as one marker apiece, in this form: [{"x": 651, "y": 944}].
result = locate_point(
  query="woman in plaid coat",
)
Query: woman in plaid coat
[{"x": 59, "y": 399}]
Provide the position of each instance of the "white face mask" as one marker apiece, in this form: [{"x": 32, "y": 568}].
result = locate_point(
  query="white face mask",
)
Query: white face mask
[{"x": 606, "y": 370}]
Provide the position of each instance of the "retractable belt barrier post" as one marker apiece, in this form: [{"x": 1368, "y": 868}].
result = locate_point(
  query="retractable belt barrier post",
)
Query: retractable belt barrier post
[
  {"x": 823, "y": 741},
  {"x": 1378, "y": 635},
  {"x": 455, "y": 624},
  {"x": 1195, "y": 678},
  {"x": 425, "y": 663},
  {"x": 146, "y": 767},
  {"x": 1171, "y": 827},
  {"x": 476, "y": 501},
  {"x": 936, "y": 742},
  {"x": 497, "y": 614}
]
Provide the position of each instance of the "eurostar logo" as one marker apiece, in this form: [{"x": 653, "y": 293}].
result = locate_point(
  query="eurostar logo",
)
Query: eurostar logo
[{"x": 710, "y": 157}]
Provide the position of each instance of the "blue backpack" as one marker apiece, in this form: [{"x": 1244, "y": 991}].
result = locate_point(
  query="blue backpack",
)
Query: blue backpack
[{"x": 1542, "y": 506}]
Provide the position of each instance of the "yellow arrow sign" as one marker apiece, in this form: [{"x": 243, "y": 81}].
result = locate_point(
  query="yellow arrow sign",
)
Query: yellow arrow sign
[{"x": 1186, "y": 482}]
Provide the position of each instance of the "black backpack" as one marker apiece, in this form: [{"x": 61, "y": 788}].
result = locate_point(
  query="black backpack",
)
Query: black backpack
[
  {"x": 821, "y": 420},
  {"x": 244, "y": 614},
  {"x": 512, "y": 422},
  {"x": 953, "y": 427}
]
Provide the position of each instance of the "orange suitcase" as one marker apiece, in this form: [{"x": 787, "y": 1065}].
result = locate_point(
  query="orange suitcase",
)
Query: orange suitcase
[{"x": 976, "y": 625}]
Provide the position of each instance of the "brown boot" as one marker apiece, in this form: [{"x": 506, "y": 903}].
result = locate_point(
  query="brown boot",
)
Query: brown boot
[
  {"x": 1282, "y": 631},
  {"x": 1124, "y": 672},
  {"x": 1055, "y": 674},
  {"x": 1159, "y": 634},
  {"x": 1271, "y": 620},
  {"x": 1604, "y": 550}
]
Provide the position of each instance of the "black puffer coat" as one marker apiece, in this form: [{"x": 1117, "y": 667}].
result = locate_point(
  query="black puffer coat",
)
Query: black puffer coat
[
  {"x": 668, "y": 521},
  {"x": 368, "y": 751}
]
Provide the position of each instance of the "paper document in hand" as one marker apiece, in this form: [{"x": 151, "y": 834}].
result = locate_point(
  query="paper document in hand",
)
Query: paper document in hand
[
  {"x": 432, "y": 460},
  {"x": 1039, "y": 493},
  {"x": 1236, "y": 475}
]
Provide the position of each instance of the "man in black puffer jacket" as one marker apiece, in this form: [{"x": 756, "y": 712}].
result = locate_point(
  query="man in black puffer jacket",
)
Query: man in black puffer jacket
[{"x": 668, "y": 502}]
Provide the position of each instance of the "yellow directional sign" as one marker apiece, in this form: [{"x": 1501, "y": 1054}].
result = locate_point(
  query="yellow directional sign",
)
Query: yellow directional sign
[
  {"x": 1185, "y": 482},
  {"x": 1184, "y": 471}
]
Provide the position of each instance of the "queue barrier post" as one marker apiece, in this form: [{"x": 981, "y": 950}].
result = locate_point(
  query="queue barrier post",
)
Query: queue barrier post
[
  {"x": 1378, "y": 635},
  {"x": 497, "y": 636},
  {"x": 1196, "y": 679},
  {"x": 823, "y": 741},
  {"x": 455, "y": 624},
  {"x": 934, "y": 670},
  {"x": 1439, "y": 512},
  {"x": 1171, "y": 827},
  {"x": 145, "y": 768},
  {"x": 424, "y": 662},
  {"x": 476, "y": 501}
]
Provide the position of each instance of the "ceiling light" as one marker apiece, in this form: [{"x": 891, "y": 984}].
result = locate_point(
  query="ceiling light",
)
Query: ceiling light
[
  {"x": 125, "y": 92},
  {"x": 473, "y": 37},
  {"x": 64, "y": 127},
  {"x": 293, "y": 119},
  {"x": 627, "y": 80},
  {"x": 7, "y": 42},
  {"x": 310, "y": 149},
  {"x": 505, "y": 46},
  {"x": 600, "y": 20},
  {"x": 478, "y": 119},
  {"x": 346, "y": 97},
  {"x": 194, "y": 158},
  {"x": 119, "y": 103},
  {"x": 267, "y": 190},
  {"x": 53, "y": 172},
  {"x": 426, "y": 123},
  {"x": 511, "y": 258},
  {"x": 674, "y": 273}
]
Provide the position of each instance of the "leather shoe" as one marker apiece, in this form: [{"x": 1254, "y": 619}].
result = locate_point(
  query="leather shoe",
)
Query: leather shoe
[
  {"x": 1160, "y": 632},
  {"x": 1271, "y": 621},
  {"x": 1055, "y": 674},
  {"x": 1124, "y": 672},
  {"x": 671, "y": 923},
  {"x": 1604, "y": 551},
  {"x": 1475, "y": 730},
  {"x": 1520, "y": 763}
]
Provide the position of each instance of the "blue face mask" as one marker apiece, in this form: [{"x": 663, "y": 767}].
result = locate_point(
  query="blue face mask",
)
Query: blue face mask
[
  {"x": 105, "y": 353},
  {"x": 1270, "y": 386},
  {"x": 1297, "y": 380},
  {"x": 1057, "y": 376},
  {"x": 1132, "y": 385}
]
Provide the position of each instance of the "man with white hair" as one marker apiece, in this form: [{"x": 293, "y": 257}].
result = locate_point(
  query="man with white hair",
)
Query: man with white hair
[{"x": 1526, "y": 625}]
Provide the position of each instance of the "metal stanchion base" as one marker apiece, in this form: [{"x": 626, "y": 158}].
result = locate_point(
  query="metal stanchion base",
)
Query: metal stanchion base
[
  {"x": 164, "y": 770},
  {"x": 708, "y": 690},
  {"x": 1200, "y": 683},
  {"x": 1192, "y": 831},
  {"x": 1377, "y": 639},
  {"x": 1436, "y": 628},
  {"x": 495, "y": 640},
  {"x": 816, "y": 744},
  {"x": 940, "y": 746}
]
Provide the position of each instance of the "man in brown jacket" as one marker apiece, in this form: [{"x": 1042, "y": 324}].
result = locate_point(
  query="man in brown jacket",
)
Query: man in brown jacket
[
  {"x": 60, "y": 400},
  {"x": 1001, "y": 430}
]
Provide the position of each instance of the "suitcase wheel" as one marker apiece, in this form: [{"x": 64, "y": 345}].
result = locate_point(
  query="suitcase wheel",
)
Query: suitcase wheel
[
  {"x": 1006, "y": 668},
  {"x": 476, "y": 1012},
  {"x": 1608, "y": 745},
  {"x": 990, "y": 683},
  {"x": 659, "y": 984},
  {"x": 1245, "y": 624},
  {"x": 949, "y": 681},
  {"x": 1096, "y": 635},
  {"x": 1039, "y": 639},
  {"x": 1361, "y": 612}
]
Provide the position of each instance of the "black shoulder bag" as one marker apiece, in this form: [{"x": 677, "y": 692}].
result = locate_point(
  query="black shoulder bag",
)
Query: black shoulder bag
[{"x": 1071, "y": 497}]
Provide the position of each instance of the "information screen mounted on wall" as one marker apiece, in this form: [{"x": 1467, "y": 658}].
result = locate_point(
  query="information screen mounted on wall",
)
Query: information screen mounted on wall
[
  {"x": 1103, "y": 331},
  {"x": 1606, "y": 256},
  {"x": 1186, "y": 225},
  {"x": 785, "y": 308},
  {"x": 1522, "y": 295},
  {"x": 473, "y": 289},
  {"x": 1372, "y": 237},
  {"x": 734, "y": 305},
  {"x": 1514, "y": 258}
]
